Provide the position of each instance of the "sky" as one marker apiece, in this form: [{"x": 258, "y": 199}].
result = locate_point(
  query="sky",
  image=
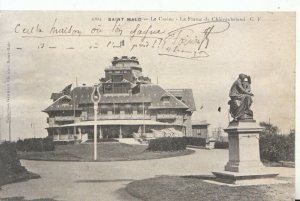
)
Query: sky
[{"x": 260, "y": 44}]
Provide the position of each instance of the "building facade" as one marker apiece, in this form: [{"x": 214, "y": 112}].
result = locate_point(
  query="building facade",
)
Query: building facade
[
  {"x": 200, "y": 129},
  {"x": 130, "y": 104}
]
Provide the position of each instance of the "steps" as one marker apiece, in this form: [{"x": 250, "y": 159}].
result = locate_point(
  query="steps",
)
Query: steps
[{"x": 128, "y": 141}]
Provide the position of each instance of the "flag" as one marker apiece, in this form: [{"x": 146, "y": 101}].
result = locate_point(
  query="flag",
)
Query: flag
[{"x": 67, "y": 90}]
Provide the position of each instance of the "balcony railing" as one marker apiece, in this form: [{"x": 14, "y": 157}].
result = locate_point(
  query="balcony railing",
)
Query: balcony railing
[
  {"x": 71, "y": 137},
  {"x": 64, "y": 118},
  {"x": 121, "y": 116},
  {"x": 166, "y": 116}
]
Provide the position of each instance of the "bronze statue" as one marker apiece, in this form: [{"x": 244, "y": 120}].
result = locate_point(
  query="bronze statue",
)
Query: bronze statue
[{"x": 240, "y": 95}]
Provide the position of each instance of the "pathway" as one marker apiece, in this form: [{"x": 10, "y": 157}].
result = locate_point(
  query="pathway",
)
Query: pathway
[{"x": 106, "y": 180}]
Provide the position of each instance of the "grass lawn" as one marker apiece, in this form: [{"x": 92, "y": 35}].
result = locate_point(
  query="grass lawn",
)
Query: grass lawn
[
  {"x": 106, "y": 152},
  {"x": 175, "y": 188},
  {"x": 21, "y": 198},
  {"x": 12, "y": 177}
]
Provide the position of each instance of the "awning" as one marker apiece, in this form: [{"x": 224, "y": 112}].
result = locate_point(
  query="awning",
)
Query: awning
[{"x": 117, "y": 122}]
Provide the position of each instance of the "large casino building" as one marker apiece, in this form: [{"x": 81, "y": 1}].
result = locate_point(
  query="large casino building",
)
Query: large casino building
[{"x": 130, "y": 104}]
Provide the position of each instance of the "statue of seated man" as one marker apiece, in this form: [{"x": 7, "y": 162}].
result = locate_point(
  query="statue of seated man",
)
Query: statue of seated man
[{"x": 241, "y": 100}]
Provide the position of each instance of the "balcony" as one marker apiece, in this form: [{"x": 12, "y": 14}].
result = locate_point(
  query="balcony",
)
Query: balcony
[
  {"x": 121, "y": 116},
  {"x": 166, "y": 116},
  {"x": 64, "y": 118}
]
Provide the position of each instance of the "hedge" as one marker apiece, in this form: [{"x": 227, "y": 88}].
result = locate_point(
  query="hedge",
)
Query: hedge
[
  {"x": 272, "y": 147},
  {"x": 175, "y": 143},
  {"x": 35, "y": 144},
  {"x": 9, "y": 162},
  {"x": 195, "y": 141},
  {"x": 167, "y": 144},
  {"x": 63, "y": 142},
  {"x": 277, "y": 147},
  {"x": 221, "y": 145}
]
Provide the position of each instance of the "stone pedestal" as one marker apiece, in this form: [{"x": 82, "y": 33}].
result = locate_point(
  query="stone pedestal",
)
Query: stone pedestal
[{"x": 244, "y": 156}]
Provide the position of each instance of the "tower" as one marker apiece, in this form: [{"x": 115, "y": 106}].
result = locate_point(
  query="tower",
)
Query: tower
[{"x": 122, "y": 75}]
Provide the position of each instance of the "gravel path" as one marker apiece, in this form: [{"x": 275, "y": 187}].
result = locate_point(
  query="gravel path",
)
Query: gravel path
[{"x": 107, "y": 180}]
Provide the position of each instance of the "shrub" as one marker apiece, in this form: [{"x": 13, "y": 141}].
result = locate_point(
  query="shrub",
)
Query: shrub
[
  {"x": 195, "y": 141},
  {"x": 167, "y": 144},
  {"x": 277, "y": 147},
  {"x": 63, "y": 142},
  {"x": 9, "y": 162},
  {"x": 35, "y": 144},
  {"x": 272, "y": 147},
  {"x": 221, "y": 145}
]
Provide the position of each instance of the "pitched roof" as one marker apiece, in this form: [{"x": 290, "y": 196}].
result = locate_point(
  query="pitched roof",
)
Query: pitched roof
[
  {"x": 62, "y": 104},
  {"x": 55, "y": 96},
  {"x": 200, "y": 123},
  {"x": 156, "y": 92},
  {"x": 151, "y": 93},
  {"x": 82, "y": 95},
  {"x": 186, "y": 97}
]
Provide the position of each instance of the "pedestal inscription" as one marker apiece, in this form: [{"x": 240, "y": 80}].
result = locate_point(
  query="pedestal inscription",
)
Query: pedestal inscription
[
  {"x": 244, "y": 157},
  {"x": 243, "y": 137}
]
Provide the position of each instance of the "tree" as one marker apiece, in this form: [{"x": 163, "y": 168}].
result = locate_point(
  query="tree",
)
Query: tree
[
  {"x": 274, "y": 146},
  {"x": 269, "y": 128}
]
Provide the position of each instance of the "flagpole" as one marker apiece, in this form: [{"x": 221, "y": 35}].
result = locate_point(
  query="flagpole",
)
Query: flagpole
[
  {"x": 114, "y": 110},
  {"x": 156, "y": 76},
  {"x": 74, "y": 112},
  {"x": 33, "y": 127},
  {"x": 8, "y": 97},
  {"x": 143, "y": 114},
  {"x": 8, "y": 113}
]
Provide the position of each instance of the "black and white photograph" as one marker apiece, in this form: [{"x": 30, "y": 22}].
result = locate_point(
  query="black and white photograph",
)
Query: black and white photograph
[{"x": 147, "y": 105}]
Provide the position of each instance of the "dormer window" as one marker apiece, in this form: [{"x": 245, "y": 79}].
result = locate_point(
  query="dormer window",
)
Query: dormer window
[{"x": 166, "y": 99}]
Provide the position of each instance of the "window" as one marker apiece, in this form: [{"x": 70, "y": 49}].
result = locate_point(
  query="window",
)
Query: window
[
  {"x": 107, "y": 88},
  {"x": 103, "y": 109},
  {"x": 116, "y": 109},
  {"x": 140, "y": 109},
  {"x": 165, "y": 99},
  {"x": 134, "y": 107},
  {"x": 90, "y": 111},
  {"x": 117, "y": 78},
  {"x": 128, "y": 109}
]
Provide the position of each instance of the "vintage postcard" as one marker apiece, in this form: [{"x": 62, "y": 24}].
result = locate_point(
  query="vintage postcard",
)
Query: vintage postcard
[{"x": 125, "y": 105}]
